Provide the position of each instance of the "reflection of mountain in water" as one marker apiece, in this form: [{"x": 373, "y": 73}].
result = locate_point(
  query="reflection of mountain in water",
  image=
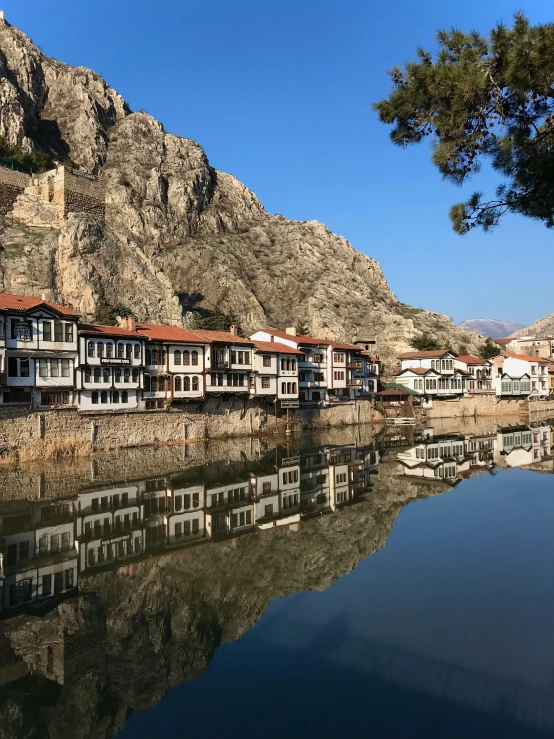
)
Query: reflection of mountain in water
[{"x": 136, "y": 619}]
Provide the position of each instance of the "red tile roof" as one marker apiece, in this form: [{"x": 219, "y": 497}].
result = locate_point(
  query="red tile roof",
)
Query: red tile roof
[
  {"x": 8, "y": 301},
  {"x": 223, "y": 336},
  {"x": 424, "y": 355},
  {"x": 307, "y": 340},
  {"x": 175, "y": 334},
  {"x": 89, "y": 328},
  {"x": 343, "y": 345},
  {"x": 526, "y": 358},
  {"x": 276, "y": 346},
  {"x": 502, "y": 341},
  {"x": 469, "y": 359},
  {"x": 419, "y": 370}
]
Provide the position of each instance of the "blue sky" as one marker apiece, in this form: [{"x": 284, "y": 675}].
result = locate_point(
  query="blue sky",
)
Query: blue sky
[{"x": 279, "y": 93}]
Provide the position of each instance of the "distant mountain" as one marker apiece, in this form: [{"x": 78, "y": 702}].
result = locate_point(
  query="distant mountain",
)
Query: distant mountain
[{"x": 491, "y": 327}]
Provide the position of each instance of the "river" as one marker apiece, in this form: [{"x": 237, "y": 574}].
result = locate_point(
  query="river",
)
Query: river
[{"x": 350, "y": 584}]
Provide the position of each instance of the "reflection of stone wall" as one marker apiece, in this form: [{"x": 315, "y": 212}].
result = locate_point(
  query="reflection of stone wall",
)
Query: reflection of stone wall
[{"x": 12, "y": 183}]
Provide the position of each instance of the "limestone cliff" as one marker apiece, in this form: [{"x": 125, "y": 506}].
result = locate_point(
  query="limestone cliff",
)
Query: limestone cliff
[{"x": 176, "y": 226}]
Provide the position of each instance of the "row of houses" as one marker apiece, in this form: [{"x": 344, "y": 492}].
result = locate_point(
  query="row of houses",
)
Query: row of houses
[
  {"x": 47, "y": 545},
  {"x": 50, "y": 358},
  {"x": 440, "y": 374}
]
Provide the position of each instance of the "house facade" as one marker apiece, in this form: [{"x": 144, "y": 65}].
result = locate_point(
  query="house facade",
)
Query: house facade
[
  {"x": 38, "y": 352},
  {"x": 434, "y": 374},
  {"x": 110, "y": 372},
  {"x": 228, "y": 362},
  {"x": 520, "y": 376},
  {"x": 275, "y": 372},
  {"x": 478, "y": 371}
]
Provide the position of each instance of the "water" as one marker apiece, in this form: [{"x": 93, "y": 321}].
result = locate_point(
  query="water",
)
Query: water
[{"x": 406, "y": 591}]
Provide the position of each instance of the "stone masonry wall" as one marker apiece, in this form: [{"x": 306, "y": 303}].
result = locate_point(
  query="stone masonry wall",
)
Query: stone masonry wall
[
  {"x": 20, "y": 428},
  {"x": 82, "y": 195},
  {"x": 12, "y": 183},
  {"x": 482, "y": 405}
]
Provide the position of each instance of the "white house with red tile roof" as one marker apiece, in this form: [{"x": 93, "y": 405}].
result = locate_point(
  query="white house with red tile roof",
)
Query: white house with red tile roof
[
  {"x": 330, "y": 371},
  {"x": 228, "y": 362},
  {"x": 111, "y": 368},
  {"x": 275, "y": 372},
  {"x": 479, "y": 369},
  {"x": 38, "y": 351},
  {"x": 520, "y": 375},
  {"x": 440, "y": 360},
  {"x": 175, "y": 364}
]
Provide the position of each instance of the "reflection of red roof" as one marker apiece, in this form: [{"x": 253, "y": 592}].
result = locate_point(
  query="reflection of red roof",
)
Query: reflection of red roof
[
  {"x": 25, "y": 302},
  {"x": 424, "y": 355},
  {"x": 526, "y": 358},
  {"x": 223, "y": 336},
  {"x": 162, "y": 332},
  {"x": 89, "y": 328},
  {"x": 276, "y": 346}
]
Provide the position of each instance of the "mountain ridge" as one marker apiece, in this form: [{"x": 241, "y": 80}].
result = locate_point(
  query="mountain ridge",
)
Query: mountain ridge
[
  {"x": 178, "y": 233},
  {"x": 491, "y": 327}
]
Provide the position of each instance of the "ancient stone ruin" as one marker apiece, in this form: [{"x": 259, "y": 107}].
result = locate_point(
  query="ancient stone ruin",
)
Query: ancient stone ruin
[{"x": 47, "y": 199}]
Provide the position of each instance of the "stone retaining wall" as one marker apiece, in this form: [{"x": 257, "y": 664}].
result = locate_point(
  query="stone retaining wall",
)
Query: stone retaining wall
[
  {"x": 482, "y": 405},
  {"x": 20, "y": 428},
  {"x": 12, "y": 184}
]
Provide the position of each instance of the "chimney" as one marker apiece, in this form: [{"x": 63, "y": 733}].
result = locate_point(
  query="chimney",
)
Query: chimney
[
  {"x": 131, "y": 323},
  {"x": 291, "y": 331},
  {"x": 233, "y": 330},
  {"x": 272, "y": 338}
]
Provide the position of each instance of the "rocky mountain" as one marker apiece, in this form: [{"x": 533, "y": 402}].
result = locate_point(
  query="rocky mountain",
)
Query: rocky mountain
[
  {"x": 491, "y": 327},
  {"x": 178, "y": 233},
  {"x": 541, "y": 327}
]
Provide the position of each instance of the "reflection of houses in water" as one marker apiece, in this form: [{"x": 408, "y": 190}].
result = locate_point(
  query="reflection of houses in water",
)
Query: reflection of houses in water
[
  {"x": 519, "y": 446},
  {"x": 45, "y": 545},
  {"x": 39, "y": 556},
  {"x": 447, "y": 457}
]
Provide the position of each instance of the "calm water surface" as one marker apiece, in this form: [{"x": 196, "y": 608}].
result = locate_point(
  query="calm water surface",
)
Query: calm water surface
[{"x": 406, "y": 591}]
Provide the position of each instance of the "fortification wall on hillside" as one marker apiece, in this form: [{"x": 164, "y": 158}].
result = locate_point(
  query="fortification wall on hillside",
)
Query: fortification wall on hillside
[{"x": 12, "y": 184}]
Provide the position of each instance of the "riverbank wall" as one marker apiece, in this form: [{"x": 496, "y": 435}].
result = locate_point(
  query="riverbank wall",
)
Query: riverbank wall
[
  {"x": 21, "y": 428},
  {"x": 482, "y": 405}
]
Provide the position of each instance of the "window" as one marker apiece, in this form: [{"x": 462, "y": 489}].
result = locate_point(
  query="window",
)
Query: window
[
  {"x": 135, "y": 375},
  {"x": 178, "y": 530},
  {"x": 47, "y": 585},
  {"x": 126, "y": 375},
  {"x": 100, "y": 348},
  {"x": 120, "y": 350},
  {"x": 90, "y": 348},
  {"x": 125, "y": 397},
  {"x": 103, "y": 397},
  {"x": 43, "y": 367},
  {"x": 161, "y": 384},
  {"x": 46, "y": 331},
  {"x": 106, "y": 374},
  {"x": 187, "y": 384},
  {"x": 65, "y": 367},
  {"x": 54, "y": 368},
  {"x": 117, "y": 375},
  {"x": 268, "y": 510},
  {"x": 109, "y": 350},
  {"x": 186, "y": 357},
  {"x": 195, "y": 384},
  {"x": 177, "y": 384},
  {"x": 94, "y": 397},
  {"x": 58, "y": 331},
  {"x": 265, "y": 383},
  {"x": 69, "y": 333},
  {"x": 54, "y": 543},
  {"x": 177, "y": 356},
  {"x": 115, "y": 396},
  {"x": 129, "y": 351},
  {"x": 137, "y": 351},
  {"x": 155, "y": 357},
  {"x": 194, "y": 357},
  {"x": 195, "y": 526},
  {"x": 266, "y": 361},
  {"x": 148, "y": 357}
]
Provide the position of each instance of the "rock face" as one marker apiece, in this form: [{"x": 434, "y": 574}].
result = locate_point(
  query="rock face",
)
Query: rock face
[
  {"x": 175, "y": 226},
  {"x": 491, "y": 327},
  {"x": 542, "y": 327}
]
